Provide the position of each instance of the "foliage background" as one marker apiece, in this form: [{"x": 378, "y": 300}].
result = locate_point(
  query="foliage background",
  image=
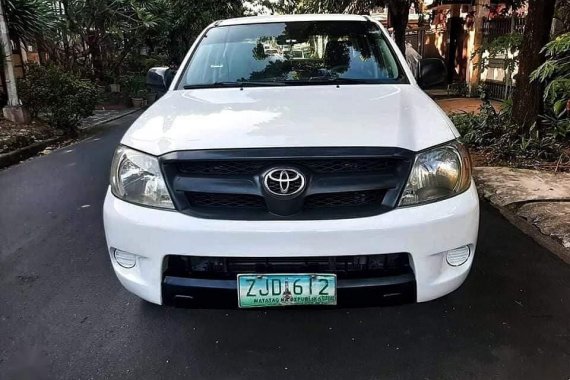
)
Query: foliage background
[{"x": 60, "y": 98}]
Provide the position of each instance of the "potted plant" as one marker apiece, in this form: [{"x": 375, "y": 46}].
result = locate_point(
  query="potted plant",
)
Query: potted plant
[
  {"x": 135, "y": 87},
  {"x": 139, "y": 99}
]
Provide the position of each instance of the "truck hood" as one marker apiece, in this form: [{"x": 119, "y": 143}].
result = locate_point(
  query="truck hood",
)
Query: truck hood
[{"x": 291, "y": 116}]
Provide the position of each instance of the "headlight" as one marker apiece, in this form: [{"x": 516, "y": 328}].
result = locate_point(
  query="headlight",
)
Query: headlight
[
  {"x": 438, "y": 173},
  {"x": 136, "y": 178}
]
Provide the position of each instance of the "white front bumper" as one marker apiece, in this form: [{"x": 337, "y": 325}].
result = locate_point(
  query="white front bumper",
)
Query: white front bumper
[{"x": 425, "y": 232}]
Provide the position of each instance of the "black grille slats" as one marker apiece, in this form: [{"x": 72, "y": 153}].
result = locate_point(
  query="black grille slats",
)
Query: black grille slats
[
  {"x": 221, "y": 168},
  {"x": 352, "y": 165},
  {"x": 225, "y": 200},
  {"x": 345, "y": 199},
  {"x": 253, "y": 167}
]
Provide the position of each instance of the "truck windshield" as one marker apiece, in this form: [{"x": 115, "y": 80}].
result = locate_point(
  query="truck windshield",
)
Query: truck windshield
[{"x": 292, "y": 53}]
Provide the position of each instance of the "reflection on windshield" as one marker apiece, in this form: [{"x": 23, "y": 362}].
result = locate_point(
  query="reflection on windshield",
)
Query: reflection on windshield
[{"x": 292, "y": 53}]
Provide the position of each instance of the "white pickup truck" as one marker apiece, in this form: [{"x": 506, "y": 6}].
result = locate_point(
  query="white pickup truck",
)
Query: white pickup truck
[{"x": 263, "y": 180}]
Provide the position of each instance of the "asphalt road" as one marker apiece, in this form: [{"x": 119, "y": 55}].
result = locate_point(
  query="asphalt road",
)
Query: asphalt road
[{"x": 63, "y": 314}]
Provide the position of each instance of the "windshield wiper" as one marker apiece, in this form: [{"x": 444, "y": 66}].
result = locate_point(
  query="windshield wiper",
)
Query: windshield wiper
[
  {"x": 340, "y": 80},
  {"x": 331, "y": 80},
  {"x": 233, "y": 84},
  {"x": 355, "y": 81}
]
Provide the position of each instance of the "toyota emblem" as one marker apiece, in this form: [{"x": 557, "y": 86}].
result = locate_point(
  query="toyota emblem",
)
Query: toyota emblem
[{"x": 284, "y": 182}]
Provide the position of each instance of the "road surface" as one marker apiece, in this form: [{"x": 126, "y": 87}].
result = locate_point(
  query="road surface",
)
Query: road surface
[{"x": 63, "y": 314}]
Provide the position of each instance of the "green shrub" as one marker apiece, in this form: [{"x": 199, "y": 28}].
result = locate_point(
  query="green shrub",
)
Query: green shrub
[
  {"x": 495, "y": 131},
  {"x": 133, "y": 85},
  {"x": 60, "y": 98},
  {"x": 559, "y": 124},
  {"x": 142, "y": 63},
  {"x": 554, "y": 73}
]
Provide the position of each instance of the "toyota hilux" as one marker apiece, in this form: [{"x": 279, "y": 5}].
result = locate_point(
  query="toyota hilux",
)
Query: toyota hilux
[{"x": 262, "y": 177}]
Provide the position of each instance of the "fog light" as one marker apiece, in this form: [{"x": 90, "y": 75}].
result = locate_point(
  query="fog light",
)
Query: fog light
[
  {"x": 125, "y": 259},
  {"x": 458, "y": 256}
]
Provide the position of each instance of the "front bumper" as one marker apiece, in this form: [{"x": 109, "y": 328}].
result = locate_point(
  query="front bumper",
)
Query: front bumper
[
  {"x": 350, "y": 292},
  {"x": 426, "y": 232}
]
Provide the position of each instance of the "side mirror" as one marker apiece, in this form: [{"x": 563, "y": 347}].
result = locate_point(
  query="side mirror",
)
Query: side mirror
[
  {"x": 158, "y": 79},
  {"x": 432, "y": 73}
]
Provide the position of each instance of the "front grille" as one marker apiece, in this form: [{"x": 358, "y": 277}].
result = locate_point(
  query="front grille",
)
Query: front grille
[
  {"x": 360, "y": 266},
  {"x": 345, "y": 199},
  {"x": 354, "y": 165},
  {"x": 225, "y": 200},
  {"x": 252, "y": 167},
  {"x": 222, "y": 168},
  {"x": 339, "y": 182}
]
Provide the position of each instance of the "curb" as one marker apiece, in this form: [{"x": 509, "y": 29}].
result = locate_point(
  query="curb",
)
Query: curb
[
  {"x": 518, "y": 194},
  {"x": 11, "y": 158},
  {"x": 112, "y": 118},
  {"x": 522, "y": 224}
]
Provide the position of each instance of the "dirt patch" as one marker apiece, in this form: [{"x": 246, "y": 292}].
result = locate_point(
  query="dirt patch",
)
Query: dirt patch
[
  {"x": 459, "y": 105},
  {"x": 16, "y": 136},
  {"x": 481, "y": 157},
  {"x": 486, "y": 157}
]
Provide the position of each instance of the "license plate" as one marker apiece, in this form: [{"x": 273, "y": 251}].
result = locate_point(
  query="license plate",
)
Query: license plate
[{"x": 265, "y": 290}]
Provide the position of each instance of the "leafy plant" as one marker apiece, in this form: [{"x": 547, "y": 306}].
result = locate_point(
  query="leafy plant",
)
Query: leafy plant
[
  {"x": 555, "y": 73},
  {"x": 559, "y": 124},
  {"x": 98, "y": 36},
  {"x": 495, "y": 131},
  {"x": 133, "y": 85},
  {"x": 59, "y": 97},
  {"x": 458, "y": 89},
  {"x": 190, "y": 17},
  {"x": 28, "y": 19},
  {"x": 140, "y": 64}
]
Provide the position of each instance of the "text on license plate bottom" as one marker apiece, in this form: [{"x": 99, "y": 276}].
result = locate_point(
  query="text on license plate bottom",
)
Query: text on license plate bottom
[{"x": 263, "y": 290}]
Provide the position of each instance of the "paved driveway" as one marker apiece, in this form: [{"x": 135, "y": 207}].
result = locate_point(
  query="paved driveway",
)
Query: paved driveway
[{"x": 63, "y": 314}]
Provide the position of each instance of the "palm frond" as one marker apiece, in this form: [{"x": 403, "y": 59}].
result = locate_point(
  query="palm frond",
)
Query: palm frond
[{"x": 29, "y": 18}]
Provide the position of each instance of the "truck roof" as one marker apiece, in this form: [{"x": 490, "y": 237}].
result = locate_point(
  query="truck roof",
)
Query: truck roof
[{"x": 290, "y": 18}]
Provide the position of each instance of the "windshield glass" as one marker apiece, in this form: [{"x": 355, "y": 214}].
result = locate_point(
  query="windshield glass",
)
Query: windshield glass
[{"x": 292, "y": 53}]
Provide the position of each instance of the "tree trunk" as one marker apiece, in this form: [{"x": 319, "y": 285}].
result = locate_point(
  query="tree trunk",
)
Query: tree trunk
[
  {"x": 41, "y": 49},
  {"x": 93, "y": 43},
  {"x": 399, "y": 12},
  {"x": 10, "y": 78},
  {"x": 527, "y": 100}
]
